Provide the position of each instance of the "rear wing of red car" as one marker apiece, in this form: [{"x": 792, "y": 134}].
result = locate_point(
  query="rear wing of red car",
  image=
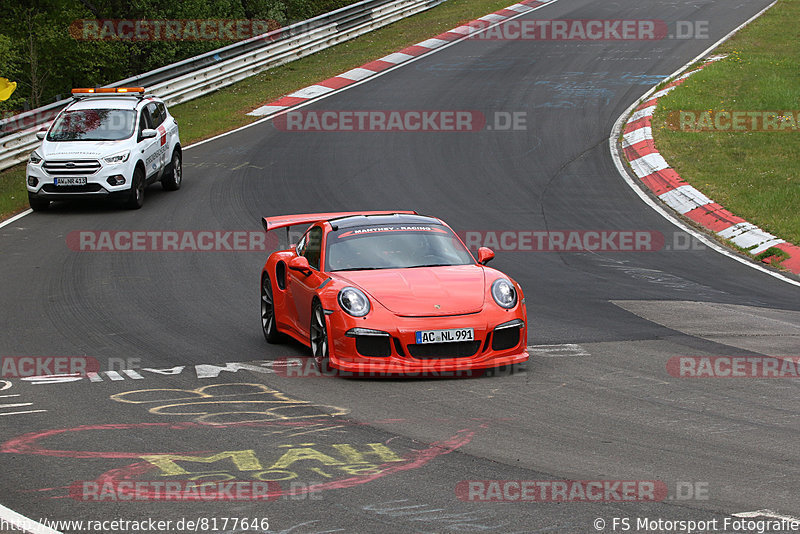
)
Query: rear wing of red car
[{"x": 284, "y": 221}]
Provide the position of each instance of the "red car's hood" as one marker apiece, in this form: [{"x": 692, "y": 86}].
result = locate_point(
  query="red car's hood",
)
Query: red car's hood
[{"x": 424, "y": 291}]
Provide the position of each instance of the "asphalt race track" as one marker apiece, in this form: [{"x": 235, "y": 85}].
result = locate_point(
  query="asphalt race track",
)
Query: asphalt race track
[{"x": 595, "y": 403}]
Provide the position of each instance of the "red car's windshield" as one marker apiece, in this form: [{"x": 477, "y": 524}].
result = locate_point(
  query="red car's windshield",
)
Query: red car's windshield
[{"x": 394, "y": 246}]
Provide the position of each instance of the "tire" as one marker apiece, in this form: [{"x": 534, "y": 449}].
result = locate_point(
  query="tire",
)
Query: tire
[
  {"x": 173, "y": 176},
  {"x": 136, "y": 196},
  {"x": 268, "y": 323},
  {"x": 38, "y": 204},
  {"x": 318, "y": 339}
]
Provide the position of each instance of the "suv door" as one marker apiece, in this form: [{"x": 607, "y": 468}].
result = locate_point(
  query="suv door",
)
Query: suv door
[
  {"x": 158, "y": 114},
  {"x": 148, "y": 147},
  {"x": 169, "y": 123}
]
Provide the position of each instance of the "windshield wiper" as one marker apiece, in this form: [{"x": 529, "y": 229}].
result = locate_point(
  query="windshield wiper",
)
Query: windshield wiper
[
  {"x": 358, "y": 269},
  {"x": 430, "y": 265}
]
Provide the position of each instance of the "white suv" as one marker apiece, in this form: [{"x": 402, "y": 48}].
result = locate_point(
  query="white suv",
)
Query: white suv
[{"x": 108, "y": 142}]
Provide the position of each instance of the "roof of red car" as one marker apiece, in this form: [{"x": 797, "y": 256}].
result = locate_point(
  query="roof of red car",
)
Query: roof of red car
[{"x": 354, "y": 221}]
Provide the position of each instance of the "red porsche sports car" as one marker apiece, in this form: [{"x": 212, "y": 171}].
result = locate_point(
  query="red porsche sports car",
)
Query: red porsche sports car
[{"x": 390, "y": 292}]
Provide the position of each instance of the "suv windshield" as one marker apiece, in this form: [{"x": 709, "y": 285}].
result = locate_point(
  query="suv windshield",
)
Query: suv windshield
[
  {"x": 93, "y": 125},
  {"x": 396, "y": 246}
]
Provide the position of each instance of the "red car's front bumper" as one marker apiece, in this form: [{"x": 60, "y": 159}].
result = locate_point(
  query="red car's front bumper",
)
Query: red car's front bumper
[{"x": 398, "y": 353}]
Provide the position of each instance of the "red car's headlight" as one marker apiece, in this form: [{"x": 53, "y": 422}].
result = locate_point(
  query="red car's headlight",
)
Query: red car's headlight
[
  {"x": 354, "y": 301},
  {"x": 504, "y": 293}
]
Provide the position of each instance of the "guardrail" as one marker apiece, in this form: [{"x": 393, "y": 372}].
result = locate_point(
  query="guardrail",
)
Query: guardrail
[{"x": 199, "y": 75}]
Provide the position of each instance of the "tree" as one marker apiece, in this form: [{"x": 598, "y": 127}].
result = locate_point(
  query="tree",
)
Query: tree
[{"x": 38, "y": 51}]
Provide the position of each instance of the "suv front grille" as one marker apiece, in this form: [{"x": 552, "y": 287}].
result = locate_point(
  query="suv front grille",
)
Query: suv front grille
[
  {"x": 78, "y": 167},
  {"x": 88, "y": 188}
]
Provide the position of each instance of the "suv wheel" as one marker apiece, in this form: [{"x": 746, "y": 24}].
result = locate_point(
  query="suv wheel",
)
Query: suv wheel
[
  {"x": 38, "y": 204},
  {"x": 136, "y": 198},
  {"x": 174, "y": 172}
]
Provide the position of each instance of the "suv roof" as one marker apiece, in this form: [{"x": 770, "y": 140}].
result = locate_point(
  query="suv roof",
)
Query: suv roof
[{"x": 116, "y": 102}]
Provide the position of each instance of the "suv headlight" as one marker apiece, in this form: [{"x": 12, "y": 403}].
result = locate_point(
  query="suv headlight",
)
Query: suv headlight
[
  {"x": 34, "y": 158},
  {"x": 504, "y": 293},
  {"x": 116, "y": 159},
  {"x": 354, "y": 301}
]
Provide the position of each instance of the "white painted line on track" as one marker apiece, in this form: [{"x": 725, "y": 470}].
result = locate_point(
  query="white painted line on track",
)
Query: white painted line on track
[
  {"x": 22, "y": 412},
  {"x": 642, "y": 113},
  {"x": 637, "y": 136},
  {"x": 464, "y": 30},
  {"x": 397, "y": 57},
  {"x": 311, "y": 91},
  {"x": 664, "y": 92},
  {"x": 647, "y": 165},
  {"x": 566, "y": 350},
  {"x": 491, "y": 18},
  {"x": 15, "y": 217},
  {"x": 615, "y": 155},
  {"x": 769, "y": 514},
  {"x": 519, "y": 8},
  {"x": 266, "y": 110},
  {"x": 357, "y": 74},
  {"x": 684, "y": 199},
  {"x": 17, "y": 405},
  {"x": 749, "y": 236},
  {"x": 436, "y": 43},
  {"x": 23, "y": 523}
]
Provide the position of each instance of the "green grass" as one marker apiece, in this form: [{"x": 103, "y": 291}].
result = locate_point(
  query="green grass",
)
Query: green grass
[
  {"x": 13, "y": 194},
  {"x": 756, "y": 175},
  {"x": 227, "y": 108}
]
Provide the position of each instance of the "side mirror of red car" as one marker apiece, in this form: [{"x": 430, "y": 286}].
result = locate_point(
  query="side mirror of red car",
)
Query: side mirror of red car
[
  {"x": 300, "y": 264},
  {"x": 485, "y": 255}
]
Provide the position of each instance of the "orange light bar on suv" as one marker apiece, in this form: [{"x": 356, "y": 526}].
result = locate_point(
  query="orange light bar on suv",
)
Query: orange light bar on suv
[{"x": 108, "y": 90}]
